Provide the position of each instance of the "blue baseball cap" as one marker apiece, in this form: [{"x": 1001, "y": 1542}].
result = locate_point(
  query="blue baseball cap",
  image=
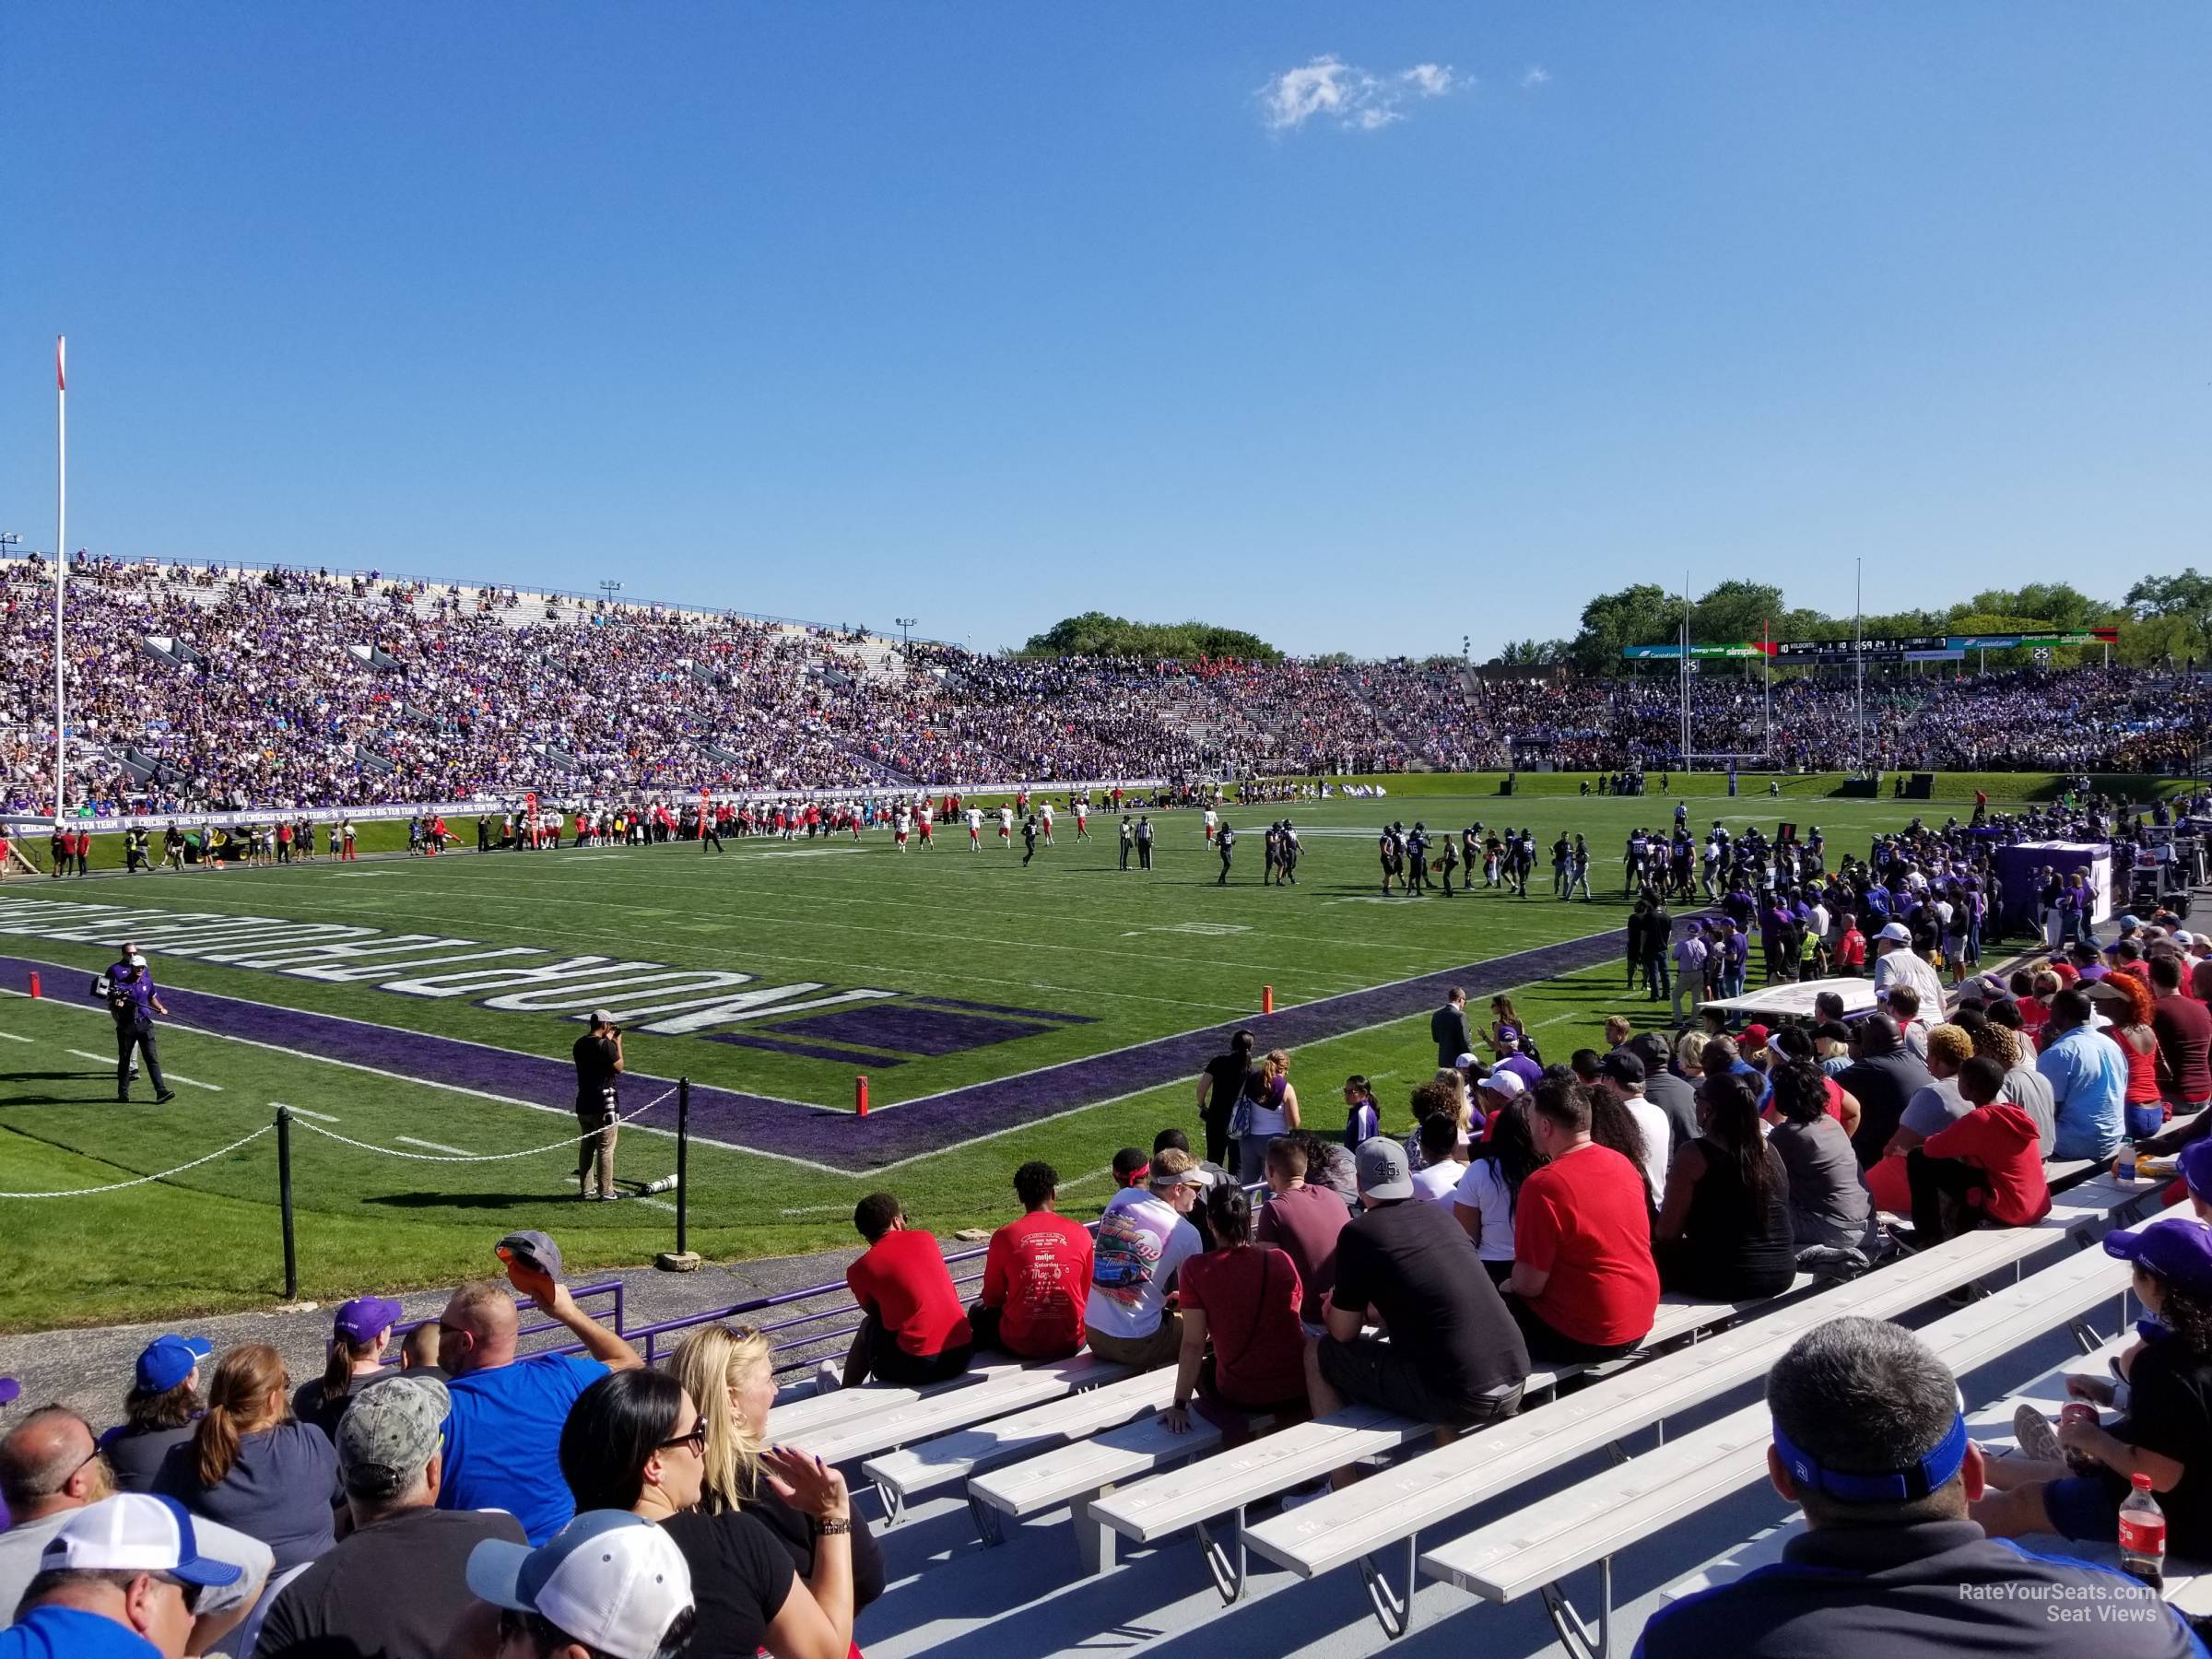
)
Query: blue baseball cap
[
  {"x": 167, "y": 1361},
  {"x": 2173, "y": 1249},
  {"x": 134, "y": 1531},
  {"x": 9, "y": 1388}
]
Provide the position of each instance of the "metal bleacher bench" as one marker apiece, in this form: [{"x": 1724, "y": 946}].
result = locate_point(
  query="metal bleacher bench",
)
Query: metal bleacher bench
[
  {"x": 1391, "y": 1507},
  {"x": 859, "y": 1423},
  {"x": 1536, "y": 1548},
  {"x": 1202, "y": 1491},
  {"x": 902, "y": 1475}
]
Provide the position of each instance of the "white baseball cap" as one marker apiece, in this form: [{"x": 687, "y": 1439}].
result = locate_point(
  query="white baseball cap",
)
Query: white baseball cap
[
  {"x": 134, "y": 1531},
  {"x": 1897, "y": 932},
  {"x": 610, "y": 1579},
  {"x": 1505, "y": 1083}
]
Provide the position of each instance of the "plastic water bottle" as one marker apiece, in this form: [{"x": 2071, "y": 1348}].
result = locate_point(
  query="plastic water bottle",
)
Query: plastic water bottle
[
  {"x": 2125, "y": 1166},
  {"x": 2143, "y": 1536}
]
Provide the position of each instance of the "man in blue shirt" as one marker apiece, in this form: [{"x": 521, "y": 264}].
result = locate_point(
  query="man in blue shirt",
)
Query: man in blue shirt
[
  {"x": 119, "y": 1580},
  {"x": 1868, "y": 1438},
  {"x": 502, "y": 1436},
  {"x": 2088, "y": 1075}
]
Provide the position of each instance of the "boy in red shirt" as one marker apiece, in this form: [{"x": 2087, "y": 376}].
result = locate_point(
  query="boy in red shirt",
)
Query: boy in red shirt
[
  {"x": 913, "y": 1331},
  {"x": 1583, "y": 1286},
  {"x": 1036, "y": 1276},
  {"x": 1989, "y": 1160}
]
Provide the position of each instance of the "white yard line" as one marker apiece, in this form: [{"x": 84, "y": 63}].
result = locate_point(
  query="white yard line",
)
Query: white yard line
[
  {"x": 408, "y": 1140},
  {"x": 320, "y": 1117},
  {"x": 96, "y": 1059},
  {"x": 13, "y": 1037},
  {"x": 194, "y": 1082}
]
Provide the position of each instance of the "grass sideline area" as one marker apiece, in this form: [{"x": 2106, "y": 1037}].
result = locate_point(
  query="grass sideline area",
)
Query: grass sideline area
[{"x": 987, "y": 973}]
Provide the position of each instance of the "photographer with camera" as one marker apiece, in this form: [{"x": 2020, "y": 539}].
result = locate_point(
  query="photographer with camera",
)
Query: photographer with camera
[
  {"x": 127, "y": 987},
  {"x": 598, "y": 1054}
]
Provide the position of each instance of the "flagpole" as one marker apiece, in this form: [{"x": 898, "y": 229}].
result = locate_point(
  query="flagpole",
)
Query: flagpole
[{"x": 61, "y": 568}]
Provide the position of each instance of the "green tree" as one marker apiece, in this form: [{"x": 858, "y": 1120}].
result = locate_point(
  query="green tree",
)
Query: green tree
[
  {"x": 2184, "y": 600},
  {"x": 1643, "y": 614},
  {"x": 1735, "y": 612},
  {"x": 1094, "y": 633}
]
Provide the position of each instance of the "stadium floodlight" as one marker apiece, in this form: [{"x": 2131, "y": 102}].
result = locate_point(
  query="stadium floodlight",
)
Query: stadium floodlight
[
  {"x": 608, "y": 590},
  {"x": 905, "y": 645}
]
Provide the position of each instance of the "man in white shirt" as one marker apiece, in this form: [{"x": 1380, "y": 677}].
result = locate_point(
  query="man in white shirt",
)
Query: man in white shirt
[
  {"x": 1896, "y": 960},
  {"x": 1620, "y": 1075},
  {"x": 1144, "y": 1239}
]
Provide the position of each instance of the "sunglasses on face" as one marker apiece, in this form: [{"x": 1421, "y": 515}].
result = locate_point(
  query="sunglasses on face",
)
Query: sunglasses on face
[{"x": 694, "y": 1437}]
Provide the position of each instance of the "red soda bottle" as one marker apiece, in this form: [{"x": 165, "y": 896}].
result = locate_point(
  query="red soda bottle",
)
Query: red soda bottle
[{"x": 2143, "y": 1536}]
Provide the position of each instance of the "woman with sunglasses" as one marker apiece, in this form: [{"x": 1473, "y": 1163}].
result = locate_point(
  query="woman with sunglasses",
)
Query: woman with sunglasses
[
  {"x": 634, "y": 1441},
  {"x": 735, "y": 1363}
]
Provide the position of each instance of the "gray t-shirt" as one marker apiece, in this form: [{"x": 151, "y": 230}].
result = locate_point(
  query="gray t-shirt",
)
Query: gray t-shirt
[
  {"x": 1828, "y": 1204},
  {"x": 1932, "y": 1108},
  {"x": 20, "y": 1546},
  {"x": 2031, "y": 1091}
]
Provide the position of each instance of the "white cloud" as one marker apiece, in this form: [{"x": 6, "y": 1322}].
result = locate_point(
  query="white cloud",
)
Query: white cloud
[
  {"x": 1329, "y": 89},
  {"x": 1537, "y": 75}
]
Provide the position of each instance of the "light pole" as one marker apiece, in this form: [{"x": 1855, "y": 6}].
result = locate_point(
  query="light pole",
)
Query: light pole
[
  {"x": 906, "y": 648},
  {"x": 607, "y": 590}
]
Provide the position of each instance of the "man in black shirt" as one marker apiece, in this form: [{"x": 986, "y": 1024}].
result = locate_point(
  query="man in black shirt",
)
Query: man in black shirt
[
  {"x": 1454, "y": 1358},
  {"x": 397, "y": 1583},
  {"x": 1225, "y": 839},
  {"x": 1220, "y": 1087},
  {"x": 598, "y": 1063}
]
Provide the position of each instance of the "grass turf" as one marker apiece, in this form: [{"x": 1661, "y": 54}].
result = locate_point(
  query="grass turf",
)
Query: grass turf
[{"x": 1137, "y": 958}]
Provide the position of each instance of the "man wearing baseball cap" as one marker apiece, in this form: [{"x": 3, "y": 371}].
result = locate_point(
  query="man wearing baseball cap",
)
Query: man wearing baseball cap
[
  {"x": 122, "y": 1578},
  {"x": 598, "y": 1056},
  {"x": 389, "y": 1461},
  {"x": 609, "y": 1582},
  {"x": 1454, "y": 1357},
  {"x": 1897, "y": 962},
  {"x": 1869, "y": 1440},
  {"x": 1144, "y": 1237}
]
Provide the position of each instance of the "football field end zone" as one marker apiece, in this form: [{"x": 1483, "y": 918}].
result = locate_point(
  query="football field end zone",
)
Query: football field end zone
[{"x": 834, "y": 1141}]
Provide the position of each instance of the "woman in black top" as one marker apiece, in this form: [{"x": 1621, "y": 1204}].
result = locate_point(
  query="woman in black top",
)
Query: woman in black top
[
  {"x": 734, "y": 1364},
  {"x": 1723, "y": 1229},
  {"x": 635, "y": 1441}
]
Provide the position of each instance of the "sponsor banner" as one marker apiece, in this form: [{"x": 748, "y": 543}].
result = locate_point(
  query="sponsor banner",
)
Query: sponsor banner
[
  {"x": 1908, "y": 648},
  {"x": 1674, "y": 652}
]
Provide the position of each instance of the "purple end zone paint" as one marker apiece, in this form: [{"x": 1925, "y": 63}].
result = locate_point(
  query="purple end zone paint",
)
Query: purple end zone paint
[
  {"x": 927, "y": 1032},
  {"x": 809, "y": 1050}
]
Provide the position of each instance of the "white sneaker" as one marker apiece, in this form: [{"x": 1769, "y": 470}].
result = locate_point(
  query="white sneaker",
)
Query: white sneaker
[{"x": 828, "y": 1377}]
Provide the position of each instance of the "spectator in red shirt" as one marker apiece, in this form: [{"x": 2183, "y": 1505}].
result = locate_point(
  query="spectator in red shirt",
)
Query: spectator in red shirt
[
  {"x": 1303, "y": 1221},
  {"x": 1242, "y": 1298},
  {"x": 1036, "y": 1276},
  {"x": 1851, "y": 949},
  {"x": 1583, "y": 1286},
  {"x": 2183, "y": 1029},
  {"x": 1990, "y": 1161},
  {"x": 913, "y": 1329}
]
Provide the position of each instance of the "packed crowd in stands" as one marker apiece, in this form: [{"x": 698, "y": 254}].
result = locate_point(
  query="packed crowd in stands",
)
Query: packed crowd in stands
[
  {"x": 200, "y": 688},
  {"x": 1300, "y": 1258}
]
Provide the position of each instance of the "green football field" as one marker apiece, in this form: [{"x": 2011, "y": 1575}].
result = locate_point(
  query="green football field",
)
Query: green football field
[{"x": 424, "y": 1009}]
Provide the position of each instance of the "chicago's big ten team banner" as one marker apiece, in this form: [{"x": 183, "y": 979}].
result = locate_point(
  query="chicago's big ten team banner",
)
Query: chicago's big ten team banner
[{"x": 543, "y": 807}]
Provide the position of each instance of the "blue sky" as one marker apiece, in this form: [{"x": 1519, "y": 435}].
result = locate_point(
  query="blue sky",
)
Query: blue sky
[{"x": 986, "y": 315}]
